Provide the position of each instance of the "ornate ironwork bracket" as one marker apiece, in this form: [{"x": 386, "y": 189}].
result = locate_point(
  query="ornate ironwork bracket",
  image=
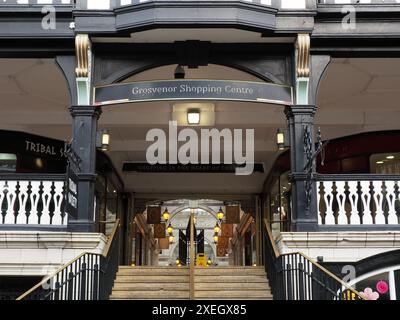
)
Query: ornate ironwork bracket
[
  {"x": 310, "y": 157},
  {"x": 73, "y": 159}
]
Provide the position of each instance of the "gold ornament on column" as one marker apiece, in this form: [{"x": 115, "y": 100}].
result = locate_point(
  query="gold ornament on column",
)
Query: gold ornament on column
[
  {"x": 82, "y": 46},
  {"x": 303, "y": 55}
]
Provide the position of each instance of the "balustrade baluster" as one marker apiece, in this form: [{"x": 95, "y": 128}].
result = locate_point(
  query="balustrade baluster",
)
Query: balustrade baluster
[
  {"x": 391, "y": 201},
  {"x": 366, "y": 201},
  {"x": 22, "y": 216},
  {"x": 341, "y": 200},
  {"x": 355, "y": 216},
  {"x": 328, "y": 197},
  {"x": 378, "y": 198},
  {"x": 11, "y": 198}
]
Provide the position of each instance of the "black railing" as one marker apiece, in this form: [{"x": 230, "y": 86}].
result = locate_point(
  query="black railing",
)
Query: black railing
[
  {"x": 294, "y": 276},
  {"x": 90, "y": 276}
]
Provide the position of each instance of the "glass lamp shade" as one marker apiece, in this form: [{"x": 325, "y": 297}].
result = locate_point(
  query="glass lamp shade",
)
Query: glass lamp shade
[
  {"x": 166, "y": 215},
  {"x": 280, "y": 139},
  {"x": 220, "y": 214},
  {"x": 193, "y": 116}
]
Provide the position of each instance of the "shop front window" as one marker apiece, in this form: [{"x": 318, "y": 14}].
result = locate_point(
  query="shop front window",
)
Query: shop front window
[
  {"x": 375, "y": 287},
  {"x": 383, "y": 285},
  {"x": 108, "y": 203},
  {"x": 280, "y": 204},
  {"x": 285, "y": 194},
  {"x": 275, "y": 213},
  {"x": 8, "y": 162},
  {"x": 385, "y": 163}
]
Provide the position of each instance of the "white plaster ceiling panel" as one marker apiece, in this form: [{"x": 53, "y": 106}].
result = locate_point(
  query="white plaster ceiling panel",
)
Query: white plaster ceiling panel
[
  {"x": 341, "y": 81},
  {"x": 51, "y": 87},
  {"x": 8, "y": 87},
  {"x": 384, "y": 84},
  {"x": 16, "y": 66},
  {"x": 373, "y": 66}
]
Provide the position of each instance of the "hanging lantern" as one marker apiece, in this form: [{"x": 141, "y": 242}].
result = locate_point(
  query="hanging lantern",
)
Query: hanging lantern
[
  {"x": 166, "y": 214},
  {"x": 217, "y": 228},
  {"x": 170, "y": 229},
  {"x": 220, "y": 214},
  {"x": 171, "y": 239},
  {"x": 216, "y": 238}
]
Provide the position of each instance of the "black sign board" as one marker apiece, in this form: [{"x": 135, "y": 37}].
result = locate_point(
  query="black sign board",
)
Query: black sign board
[
  {"x": 72, "y": 194},
  {"x": 194, "y": 90},
  {"x": 186, "y": 168}
]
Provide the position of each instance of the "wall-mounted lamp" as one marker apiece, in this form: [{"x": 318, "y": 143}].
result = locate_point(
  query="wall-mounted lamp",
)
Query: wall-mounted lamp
[
  {"x": 193, "y": 116},
  {"x": 179, "y": 72},
  {"x": 282, "y": 139},
  {"x": 103, "y": 140}
]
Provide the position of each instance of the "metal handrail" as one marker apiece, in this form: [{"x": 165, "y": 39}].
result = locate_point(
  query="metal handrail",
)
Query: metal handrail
[
  {"x": 32, "y": 177},
  {"x": 65, "y": 266},
  {"x": 316, "y": 264},
  {"x": 356, "y": 177}
]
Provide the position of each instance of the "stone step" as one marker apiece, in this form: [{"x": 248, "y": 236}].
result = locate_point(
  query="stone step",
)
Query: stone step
[
  {"x": 227, "y": 272},
  {"x": 145, "y": 278},
  {"x": 170, "y": 283},
  {"x": 151, "y": 267},
  {"x": 152, "y": 271},
  {"x": 229, "y": 294},
  {"x": 153, "y": 295},
  {"x": 151, "y": 286},
  {"x": 241, "y": 299},
  {"x": 231, "y": 268},
  {"x": 231, "y": 279},
  {"x": 231, "y": 286}
]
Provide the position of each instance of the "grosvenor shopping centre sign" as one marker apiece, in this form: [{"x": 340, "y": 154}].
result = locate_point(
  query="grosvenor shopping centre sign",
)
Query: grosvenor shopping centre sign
[{"x": 173, "y": 90}]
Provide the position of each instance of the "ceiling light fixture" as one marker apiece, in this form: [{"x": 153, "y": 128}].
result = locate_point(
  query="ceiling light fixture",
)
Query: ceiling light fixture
[
  {"x": 193, "y": 116},
  {"x": 179, "y": 72}
]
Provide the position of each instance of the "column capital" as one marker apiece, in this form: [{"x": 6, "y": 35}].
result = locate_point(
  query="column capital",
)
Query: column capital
[
  {"x": 300, "y": 109},
  {"x": 88, "y": 110}
]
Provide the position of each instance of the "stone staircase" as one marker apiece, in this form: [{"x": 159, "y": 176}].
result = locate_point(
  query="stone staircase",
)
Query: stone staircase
[
  {"x": 232, "y": 283},
  {"x": 170, "y": 283},
  {"x": 151, "y": 283}
]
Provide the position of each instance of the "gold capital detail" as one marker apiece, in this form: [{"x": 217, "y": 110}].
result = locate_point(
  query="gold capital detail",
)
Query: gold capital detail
[
  {"x": 303, "y": 55},
  {"x": 82, "y": 43}
]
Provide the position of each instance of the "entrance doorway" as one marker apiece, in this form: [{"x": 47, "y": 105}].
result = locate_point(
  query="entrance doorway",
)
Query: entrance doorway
[{"x": 220, "y": 240}]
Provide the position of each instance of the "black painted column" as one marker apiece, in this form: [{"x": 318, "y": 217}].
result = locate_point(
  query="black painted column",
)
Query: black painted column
[
  {"x": 84, "y": 136},
  {"x": 302, "y": 147}
]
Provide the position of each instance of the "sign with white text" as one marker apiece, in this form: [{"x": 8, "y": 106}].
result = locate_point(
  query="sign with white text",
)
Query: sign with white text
[{"x": 173, "y": 90}]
